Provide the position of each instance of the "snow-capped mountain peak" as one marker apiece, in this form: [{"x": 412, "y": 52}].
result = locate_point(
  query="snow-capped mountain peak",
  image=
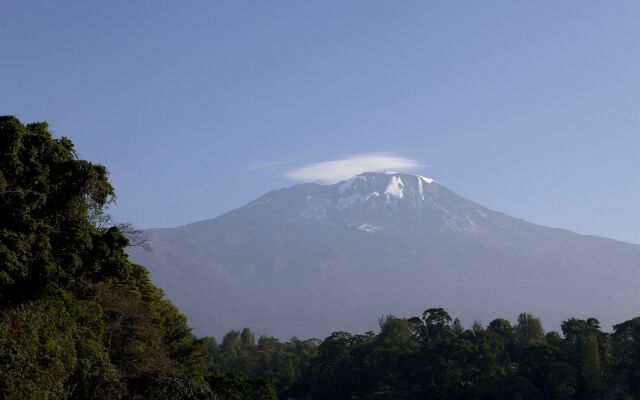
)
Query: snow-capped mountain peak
[
  {"x": 386, "y": 201},
  {"x": 391, "y": 184},
  {"x": 310, "y": 258}
]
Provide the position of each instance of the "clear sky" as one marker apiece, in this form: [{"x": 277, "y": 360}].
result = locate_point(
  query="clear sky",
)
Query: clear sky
[{"x": 529, "y": 108}]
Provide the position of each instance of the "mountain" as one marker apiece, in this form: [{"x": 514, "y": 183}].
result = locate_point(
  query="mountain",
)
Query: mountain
[{"x": 311, "y": 259}]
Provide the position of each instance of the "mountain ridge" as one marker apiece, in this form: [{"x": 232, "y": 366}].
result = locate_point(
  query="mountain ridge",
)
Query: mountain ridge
[
  {"x": 310, "y": 259},
  {"x": 311, "y": 184}
]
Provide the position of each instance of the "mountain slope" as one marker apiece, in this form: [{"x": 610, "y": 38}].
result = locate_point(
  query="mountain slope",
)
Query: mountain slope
[{"x": 312, "y": 259}]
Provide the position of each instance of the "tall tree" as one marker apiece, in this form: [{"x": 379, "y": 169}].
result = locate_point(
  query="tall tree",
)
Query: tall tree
[
  {"x": 528, "y": 330},
  {"x": 77, "y": 319}
]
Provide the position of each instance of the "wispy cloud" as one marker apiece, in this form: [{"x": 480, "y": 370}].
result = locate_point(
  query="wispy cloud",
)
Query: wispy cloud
[
  {"x": 337, "y": 170},
  {"x": 263, "y": 165}
]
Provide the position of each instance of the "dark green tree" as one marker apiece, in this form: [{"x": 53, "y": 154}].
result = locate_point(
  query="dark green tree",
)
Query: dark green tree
[
  {"x": 77, "y": 319},
  {"x": 528, "y": 330},
  {"x": 626, "y": 353}
]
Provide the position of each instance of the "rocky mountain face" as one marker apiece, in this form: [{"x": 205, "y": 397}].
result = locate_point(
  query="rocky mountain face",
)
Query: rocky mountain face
[{"x": 312, "y": 259}]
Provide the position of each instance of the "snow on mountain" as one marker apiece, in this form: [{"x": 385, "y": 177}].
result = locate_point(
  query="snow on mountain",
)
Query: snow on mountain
[
  {"x": 311, "y": 259},
  {"x": 389, "y": 201},
  {"x": 395, "y": 188}
]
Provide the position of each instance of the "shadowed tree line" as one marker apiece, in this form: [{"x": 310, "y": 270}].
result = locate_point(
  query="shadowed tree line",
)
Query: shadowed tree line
[{"x": 435, "y": 357}]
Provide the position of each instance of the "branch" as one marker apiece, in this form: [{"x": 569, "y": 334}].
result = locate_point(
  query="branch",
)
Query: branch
[{"x": 136, "y": 237}]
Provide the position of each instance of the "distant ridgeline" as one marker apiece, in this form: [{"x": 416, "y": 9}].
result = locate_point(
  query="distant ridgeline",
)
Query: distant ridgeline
[{"x": 79, "y": 321}]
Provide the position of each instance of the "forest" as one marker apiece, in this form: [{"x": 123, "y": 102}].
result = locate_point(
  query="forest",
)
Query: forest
[
  {"x": 79, "y": 321},
  {"x": 435, "y": 357}
]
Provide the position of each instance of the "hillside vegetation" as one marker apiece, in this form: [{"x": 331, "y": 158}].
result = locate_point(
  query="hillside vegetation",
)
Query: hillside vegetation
[{"x": 77, "y": 319}]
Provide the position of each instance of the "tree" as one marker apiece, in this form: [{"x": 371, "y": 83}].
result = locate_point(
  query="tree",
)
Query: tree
[
  {"x": 501, "y": 327},
  {"x": 47, "y": 195},
  {"x": 247, "y": 339},
  {"x": 582, "y": 349},
  {"x": 626, "y": 350},
  {"x": 77, "y": 319},
  {"x": 528, "y": 330},
  {"x": 437, "y": 324},
  {"x": 51, "y": 257}
]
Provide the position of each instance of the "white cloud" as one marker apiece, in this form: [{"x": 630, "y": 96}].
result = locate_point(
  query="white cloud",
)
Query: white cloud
[
  {"x": 337, "y": 170},
  {"x": 264, "y": 165}
]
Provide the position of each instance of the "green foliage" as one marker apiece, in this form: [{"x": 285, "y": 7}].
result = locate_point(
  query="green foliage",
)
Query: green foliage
[
  {"x": 52, "y": 349},
  {"x": 626, "y": 356},
  {"x": 145, "y": 333},
  {"x": 47, "y": 240},
  {"x": 267, "y": 358},
  {"x": 77, "y": 319},
  {"x": 435, "y": 357},
  {"x": 236, "y": 386},
  {"x": 528, "y": 330},
  {"x": 168, "y": 386}
]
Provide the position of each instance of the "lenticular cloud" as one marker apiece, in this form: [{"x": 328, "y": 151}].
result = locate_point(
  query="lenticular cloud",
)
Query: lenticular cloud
[{"x": 337, "y": 170}]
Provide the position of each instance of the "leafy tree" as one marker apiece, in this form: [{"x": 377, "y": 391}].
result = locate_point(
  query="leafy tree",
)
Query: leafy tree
[
  {"x": 168, "y": 386},
  {"x": 581, "y": 347},
  {"x": 528, "y": 330},
  {"x": 235, "y": 386},
  {"x": 626, "y": 349},
  {"x": 77, "y": 319}
]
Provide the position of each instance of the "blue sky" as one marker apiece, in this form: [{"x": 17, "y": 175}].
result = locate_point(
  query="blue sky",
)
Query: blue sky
[{"x": 529, "y": 108}]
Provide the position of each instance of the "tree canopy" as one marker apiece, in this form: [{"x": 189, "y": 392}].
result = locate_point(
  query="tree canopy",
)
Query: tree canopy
[
  {"x": 77, "y": 319},
  {"x": 435, "y": 357}
]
